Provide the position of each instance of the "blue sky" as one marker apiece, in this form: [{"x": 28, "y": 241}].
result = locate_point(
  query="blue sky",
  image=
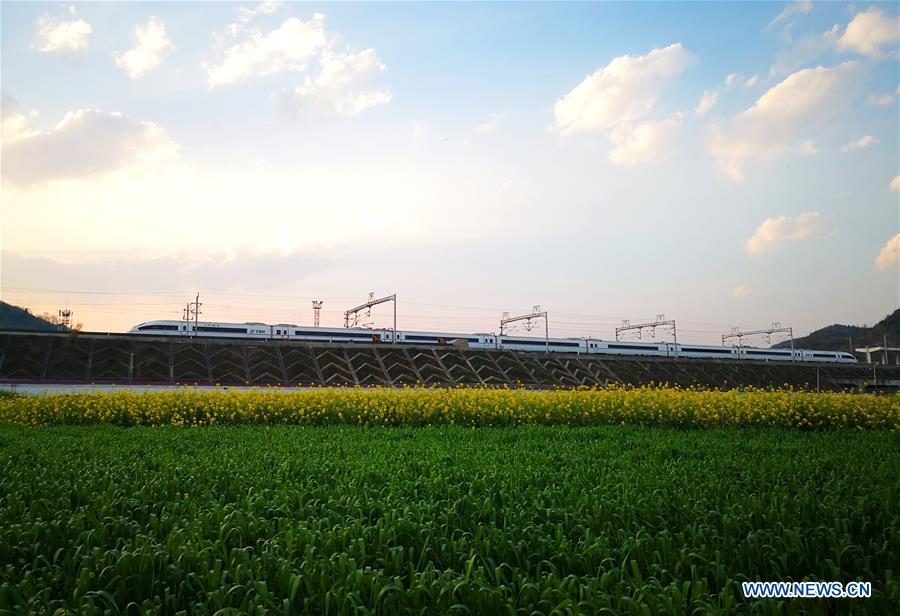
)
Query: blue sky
[{"x": 724, "y": 164}]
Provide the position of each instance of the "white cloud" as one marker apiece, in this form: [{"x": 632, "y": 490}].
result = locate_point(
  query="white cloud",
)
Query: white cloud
[
  {"x": 643, "y": 143},
  {"x": 13, "y": 127},
  {"x": 889, "y": 255},
  {"x": 617, "y": 100},
  {"x": 264, "y": 8},
  {"x": 869, "y": 31},
  {"x": 740, "y": 291},
  {"x": 805, "y": 100},
  {"x": 860, "y": 143},
  {"x": 733, "y": 80},
  {"x": 231, "y": 31},
  {"x": 15, "y": 122},
  {"x": 798, "y": 7},
  {"x": 147, "y": 54},
  {"x": 707, "y": 102},
  {"x": 808, "y": 148},
  {"x": 624, "y": 91},
  {"x": 345, "y": 83},
  {"x": 63, "y": 36},
  {"x": 290, "y": 47},
  {"x": 490, "y": 125},
  {"x": 736, "y": 79},
  {"x": 881, "y": 100},
  {"x": 85, "y": 144},
  {"x": 804, "y": 51},
  {"x": 245, "y": 16},
  {"x": 895, "y": 184},
  {"x": 784, "y": 229}
]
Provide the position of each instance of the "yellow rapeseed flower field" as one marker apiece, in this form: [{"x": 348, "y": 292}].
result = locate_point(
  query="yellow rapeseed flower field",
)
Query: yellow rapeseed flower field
[{"x": 650, "y": 405}]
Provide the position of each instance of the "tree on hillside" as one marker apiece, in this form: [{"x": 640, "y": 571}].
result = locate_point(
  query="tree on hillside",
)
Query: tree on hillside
[{"x": 50, "y": 318}]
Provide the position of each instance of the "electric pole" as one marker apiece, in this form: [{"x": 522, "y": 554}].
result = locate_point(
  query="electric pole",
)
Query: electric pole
[
  {"x": 194, "y": 308},
  {"x": 317, "y": 308},
  {"x": 775, "y": 329},
  {"x": 65, "y": 317},
  {"x": 186, "y": 317},
  {"x": 368, "y": 307},
  {"x": 652, "y": 325},
  {"x": 535, "y": 314}
]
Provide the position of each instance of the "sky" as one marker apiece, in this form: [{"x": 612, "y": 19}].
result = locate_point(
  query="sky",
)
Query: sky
[{"x": 726, "y": 165}]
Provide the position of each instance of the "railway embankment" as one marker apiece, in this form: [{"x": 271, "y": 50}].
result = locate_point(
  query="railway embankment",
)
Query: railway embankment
[{"x": 121, "y": 359}]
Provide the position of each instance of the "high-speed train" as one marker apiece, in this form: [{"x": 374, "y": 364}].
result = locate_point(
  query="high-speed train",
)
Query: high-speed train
[{"x": 286, "y": 331}]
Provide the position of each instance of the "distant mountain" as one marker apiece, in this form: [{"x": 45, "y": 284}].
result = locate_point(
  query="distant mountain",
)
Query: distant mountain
[
  {"x": 837, "y": 337},
  {"x": 13, "y": 317}
]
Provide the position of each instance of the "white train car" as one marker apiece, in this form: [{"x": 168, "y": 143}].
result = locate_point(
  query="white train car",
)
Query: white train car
[
  {"x": 338, "y": 335},
  {"x": 160, "y": 328},
  {"x": 203, "y": 328},
  {"x": 540, "y": 345},
  {"x": 699, "y": 351},
  {"x": 474, "y": 341},
  {"x": 611, "y": 347},
  {"x": 828, "y": 356},
  {"x": 757, "y": 354}
]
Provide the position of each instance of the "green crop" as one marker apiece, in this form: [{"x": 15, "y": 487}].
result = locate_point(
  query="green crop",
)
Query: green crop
[{"x": 525, "y": 520}]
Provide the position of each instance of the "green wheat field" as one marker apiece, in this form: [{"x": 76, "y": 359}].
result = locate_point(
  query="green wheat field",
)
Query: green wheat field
[{"x": 518, "y": 520}]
